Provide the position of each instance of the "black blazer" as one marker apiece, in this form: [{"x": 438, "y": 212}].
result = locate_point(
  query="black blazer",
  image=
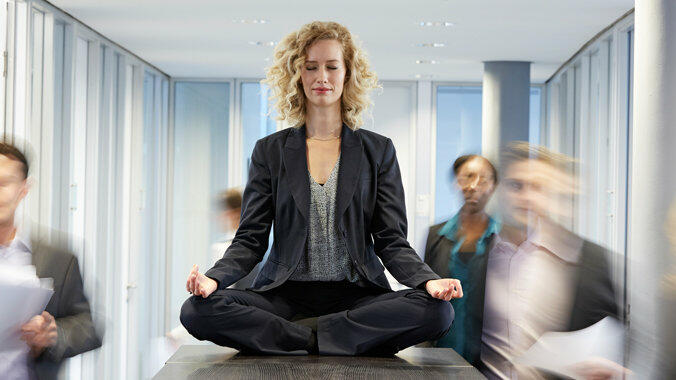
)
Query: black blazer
[
  {"x": 594, "y": 296},
  {"x": 438, "y": 251},
  {"x": 68, "y": 305},
  {"x": 370, "y": 212}
]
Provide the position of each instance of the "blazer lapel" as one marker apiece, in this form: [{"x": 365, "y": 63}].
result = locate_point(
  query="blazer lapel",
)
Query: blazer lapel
[
  {"x": 295, "y": 162},
  {"x": 478, "y": 273},
  {"x": 37, "y": 256},
  {"x": 350, "y": 168},
  {"x": 442, "y": 247}
]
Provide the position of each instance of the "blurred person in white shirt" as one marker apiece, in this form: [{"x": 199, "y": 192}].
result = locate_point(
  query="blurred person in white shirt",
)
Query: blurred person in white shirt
[
  {"x": 229, "y": 209},
  {"x": 65, "y": 328},
  {"x": 229, "y": 204},
  {"x": 537, "y": 276}
]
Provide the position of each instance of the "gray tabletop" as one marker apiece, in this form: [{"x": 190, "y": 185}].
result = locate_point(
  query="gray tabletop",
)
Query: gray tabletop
[{"x": 214, "y": 362}]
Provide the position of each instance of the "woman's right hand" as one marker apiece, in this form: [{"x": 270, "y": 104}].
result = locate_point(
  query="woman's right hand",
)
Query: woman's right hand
[{"x": 199, "y": 284}]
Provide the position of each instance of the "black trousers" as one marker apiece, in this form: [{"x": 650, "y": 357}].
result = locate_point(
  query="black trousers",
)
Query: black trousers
[{"x": 351, "y": 320}]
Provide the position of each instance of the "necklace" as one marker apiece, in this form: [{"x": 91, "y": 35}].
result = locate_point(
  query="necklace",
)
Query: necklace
[{"x": 331, "y": 139}]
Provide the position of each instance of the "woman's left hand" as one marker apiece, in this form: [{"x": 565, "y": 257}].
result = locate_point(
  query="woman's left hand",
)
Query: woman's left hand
[{"x": 444, "y": 289}]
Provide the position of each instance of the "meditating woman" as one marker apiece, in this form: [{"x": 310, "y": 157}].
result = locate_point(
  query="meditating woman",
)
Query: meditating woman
[{"x": 334, "y": 195}]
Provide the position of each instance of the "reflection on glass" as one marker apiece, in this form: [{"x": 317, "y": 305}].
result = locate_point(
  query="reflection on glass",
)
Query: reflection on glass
[
  {"x": 201, "y": 122},
  {"x": 258, "y": 120},
  {"x": 458, "y": 132},
  {"x": 534, "y": 117}
]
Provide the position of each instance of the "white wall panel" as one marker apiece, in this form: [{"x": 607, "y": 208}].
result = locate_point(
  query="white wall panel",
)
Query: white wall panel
[
  {"x": 588, "y": 110},
  {"x": 394, "y": 116}
]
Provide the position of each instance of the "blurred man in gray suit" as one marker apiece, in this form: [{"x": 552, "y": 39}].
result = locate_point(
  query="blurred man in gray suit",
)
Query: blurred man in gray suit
[{"x": 65, "y": 327}]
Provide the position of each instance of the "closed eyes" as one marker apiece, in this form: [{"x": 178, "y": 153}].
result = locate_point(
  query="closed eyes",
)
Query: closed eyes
[{"x": 314, "y": 68}]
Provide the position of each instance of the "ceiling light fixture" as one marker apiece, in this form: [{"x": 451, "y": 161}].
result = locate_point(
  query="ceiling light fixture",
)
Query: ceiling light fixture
[
  {"x": 435, "y": 23},
  {"x": 427, "y": 62},
  {"x": 263, "y": 43},
  {"x": 249, "y": 21},
  {"x": 431, "y": 44}
]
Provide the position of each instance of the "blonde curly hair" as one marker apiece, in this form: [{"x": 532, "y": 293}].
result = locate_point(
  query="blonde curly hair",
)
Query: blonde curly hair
[{"x": 286, "y": 86}]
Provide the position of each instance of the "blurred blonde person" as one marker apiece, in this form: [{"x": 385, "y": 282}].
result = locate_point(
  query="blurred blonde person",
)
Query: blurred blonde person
[
  {"x": 229, "y": 205},
  {"x": 667, "y": 350}
]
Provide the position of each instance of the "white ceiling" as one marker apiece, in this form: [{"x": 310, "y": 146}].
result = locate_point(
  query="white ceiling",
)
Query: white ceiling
[{"x": 199, "y": 38}]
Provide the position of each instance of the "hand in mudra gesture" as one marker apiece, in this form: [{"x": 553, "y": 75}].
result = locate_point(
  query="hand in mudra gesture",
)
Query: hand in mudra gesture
[
  {"x": 199, "y": 284},
  {"x": 444, "y": 289}
]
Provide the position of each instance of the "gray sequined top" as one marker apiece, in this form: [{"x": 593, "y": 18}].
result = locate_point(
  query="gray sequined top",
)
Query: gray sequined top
[{"x": 326, "y": 258}]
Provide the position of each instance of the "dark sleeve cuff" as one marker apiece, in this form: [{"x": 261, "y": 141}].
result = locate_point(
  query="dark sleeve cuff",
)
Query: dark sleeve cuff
[
  {"x": 55, "y": 353},
  {"x": 422, "y": 284},
  {"x": 218, "y": 283}
]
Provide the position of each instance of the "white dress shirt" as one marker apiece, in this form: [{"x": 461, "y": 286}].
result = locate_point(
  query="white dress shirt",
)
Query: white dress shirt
[
  {"x": 529, "y": 291},
  {"x": 14, "y": 360}
]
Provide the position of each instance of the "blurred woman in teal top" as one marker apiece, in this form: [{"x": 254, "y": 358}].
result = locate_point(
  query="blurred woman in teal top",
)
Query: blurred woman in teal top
[{"x": 452, "y": 245}]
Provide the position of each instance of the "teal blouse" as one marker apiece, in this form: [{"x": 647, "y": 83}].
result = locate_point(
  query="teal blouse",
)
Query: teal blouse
[{"x": 458, "y": 269}]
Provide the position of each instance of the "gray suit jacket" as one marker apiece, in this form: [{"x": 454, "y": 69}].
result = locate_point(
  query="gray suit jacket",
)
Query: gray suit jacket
[{"x": 68, "y": 305}]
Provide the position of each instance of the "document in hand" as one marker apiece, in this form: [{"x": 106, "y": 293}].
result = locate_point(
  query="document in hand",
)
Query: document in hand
[
  {"x": 560, "y": 352},
  {"x": 22, "y": 296}
]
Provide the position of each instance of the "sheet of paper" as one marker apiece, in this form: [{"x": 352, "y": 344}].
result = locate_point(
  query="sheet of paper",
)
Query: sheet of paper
[
  {"x": 22, "y": 297},
  {"x": 558, "y": 352},
  {"x": 19, "y": 275}
]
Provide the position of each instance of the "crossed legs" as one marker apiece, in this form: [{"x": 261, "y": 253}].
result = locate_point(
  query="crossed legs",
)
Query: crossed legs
[{"x": 351, "y": 320}]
